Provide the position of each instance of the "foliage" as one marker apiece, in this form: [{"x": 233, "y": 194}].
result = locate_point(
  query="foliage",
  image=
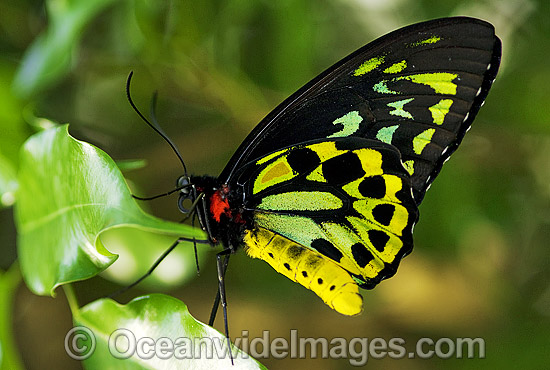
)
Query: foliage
[
  {"x": 86, "y": 195},
  {"x": 155, "y": 316}
]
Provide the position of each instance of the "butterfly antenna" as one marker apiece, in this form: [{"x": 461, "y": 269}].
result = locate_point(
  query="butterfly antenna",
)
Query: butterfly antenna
[
  {"x": 155, "y": 126},
  {"x": 163, "y": 194}
]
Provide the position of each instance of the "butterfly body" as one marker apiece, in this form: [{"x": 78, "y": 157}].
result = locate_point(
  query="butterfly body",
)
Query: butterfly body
[
  {"x": 326, "y": 188},
  {"x": 222, "y": 213}
]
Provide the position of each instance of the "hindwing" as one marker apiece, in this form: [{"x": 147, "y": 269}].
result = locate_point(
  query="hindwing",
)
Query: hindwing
[{"x": 348, "y": 199}]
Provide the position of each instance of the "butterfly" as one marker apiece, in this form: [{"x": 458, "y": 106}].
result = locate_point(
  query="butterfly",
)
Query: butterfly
[{"x": 326, "y": 187}]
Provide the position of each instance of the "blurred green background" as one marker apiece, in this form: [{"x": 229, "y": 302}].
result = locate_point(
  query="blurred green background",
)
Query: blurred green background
[{"x": 481, "y": 264}]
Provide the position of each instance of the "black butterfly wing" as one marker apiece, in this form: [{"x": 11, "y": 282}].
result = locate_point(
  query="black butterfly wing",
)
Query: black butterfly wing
[{"x": 417, "y": 88}]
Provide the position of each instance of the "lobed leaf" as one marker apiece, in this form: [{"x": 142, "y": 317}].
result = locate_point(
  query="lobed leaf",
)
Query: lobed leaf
[
  {"x": 186, "y": 344},
  {"x": 70, "y": 192}
]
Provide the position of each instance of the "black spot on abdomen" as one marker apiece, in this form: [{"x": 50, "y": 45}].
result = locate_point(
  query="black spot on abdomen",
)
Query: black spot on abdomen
[{"x": 294, "y": 252}]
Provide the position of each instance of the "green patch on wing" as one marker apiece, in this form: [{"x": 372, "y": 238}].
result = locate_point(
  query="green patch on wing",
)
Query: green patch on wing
[
  {"x": 350, "y": 121},
  {"x": 398, "y": 108},
  {"x": 385, "y": 134},
  {"x": 300, "y": 201},
  {"x": 289, "y": 226},
  {"x": 382, "y": 88}
]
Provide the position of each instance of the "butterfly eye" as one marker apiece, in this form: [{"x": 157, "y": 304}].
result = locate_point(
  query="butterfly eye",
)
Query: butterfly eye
[
  {"x": 184, "y": 184},
  {"x": 186, "y": 192}
]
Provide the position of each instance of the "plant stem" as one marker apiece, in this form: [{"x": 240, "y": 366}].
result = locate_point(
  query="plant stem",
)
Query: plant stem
[{"x": 71, "y": 298}]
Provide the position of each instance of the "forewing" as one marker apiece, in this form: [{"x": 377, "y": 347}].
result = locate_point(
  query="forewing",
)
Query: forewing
[{"x": 417, "y": 88}]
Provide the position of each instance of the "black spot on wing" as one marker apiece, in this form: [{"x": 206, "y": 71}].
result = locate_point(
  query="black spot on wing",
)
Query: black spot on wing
[
  {"x": 303, "y": 160},
  {"x": 361, "y": 254},
  {"x": 327, "y": 248},
  {"x": 373, "y": 187},
  {"x": 343, "y": 169},
  {"x": 378, "y": 239},
  {"x": 383, "y": 213}
]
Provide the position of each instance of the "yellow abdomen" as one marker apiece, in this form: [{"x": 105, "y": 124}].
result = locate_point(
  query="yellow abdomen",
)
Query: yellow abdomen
[{"x": 330, "y": 282}]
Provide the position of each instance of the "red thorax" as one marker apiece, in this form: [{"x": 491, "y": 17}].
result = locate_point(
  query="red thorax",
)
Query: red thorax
[{"x": 219, "y": 204}]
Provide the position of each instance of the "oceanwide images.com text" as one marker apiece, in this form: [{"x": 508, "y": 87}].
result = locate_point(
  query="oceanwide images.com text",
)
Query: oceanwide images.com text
[{"x": 80, "y": 343}]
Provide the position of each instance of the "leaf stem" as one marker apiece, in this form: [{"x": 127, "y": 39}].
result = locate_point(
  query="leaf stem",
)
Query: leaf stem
[{"x": 71, "y": 299}]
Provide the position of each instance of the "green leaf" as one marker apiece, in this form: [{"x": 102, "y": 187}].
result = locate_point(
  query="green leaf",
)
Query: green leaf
[
  {"x": 9, "y": 281},
  {"x": 131, "y": 164},
  {"x": 70, "y": 192},
  {"x": 12, "y": 126},
  {"x": 50, "y": 57},
  {"x": 8, "y": 182},
  {"x": 190, "y": 344},
  {"x": 14, "y": 132}
]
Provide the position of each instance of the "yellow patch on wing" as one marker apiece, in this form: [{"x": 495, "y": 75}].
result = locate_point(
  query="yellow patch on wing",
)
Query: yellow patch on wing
[
  {"x": 421, "y": 140},
  {"x": 369, "y": 65},
  {"x": 440, "y": 110},
  {"x": 409, "y": 166},
  {"x": 440, "y": 82},
  {"x": 396, "y": 67}
]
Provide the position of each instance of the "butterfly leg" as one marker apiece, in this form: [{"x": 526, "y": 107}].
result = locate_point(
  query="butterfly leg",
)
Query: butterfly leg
[
  {"x": 157, "y": 262},
  {"x": 222, "y": 260},
  {"x": 216, "y": 304}
]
